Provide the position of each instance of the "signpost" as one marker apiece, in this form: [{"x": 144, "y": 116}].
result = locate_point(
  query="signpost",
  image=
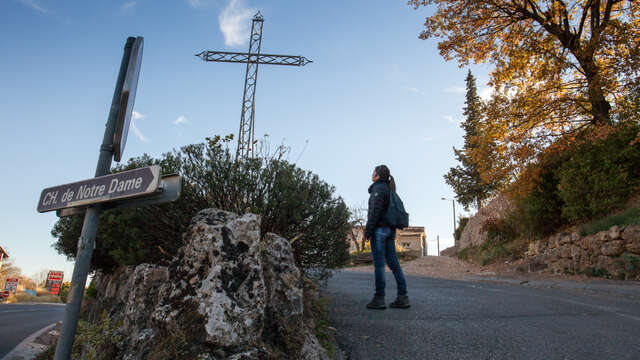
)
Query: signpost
[
  {"x": 136, "y": 187},
  {"x": 126, "y": 184},
  {"x": 11, "y": 285}
]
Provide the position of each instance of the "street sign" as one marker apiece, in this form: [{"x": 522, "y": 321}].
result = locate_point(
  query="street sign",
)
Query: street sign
[
  {"x": 11, "y": 285},
  {"x": 126, "y": 184},
  {"x": 168, "y": 191},
  {"x": 127, "y": 97},
  {"x": 54, "y": 281}
]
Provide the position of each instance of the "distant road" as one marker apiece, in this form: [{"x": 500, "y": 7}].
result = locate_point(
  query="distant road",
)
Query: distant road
[
  {"x": 18, "y": 321},
  {"x": 472, "y": 320}
]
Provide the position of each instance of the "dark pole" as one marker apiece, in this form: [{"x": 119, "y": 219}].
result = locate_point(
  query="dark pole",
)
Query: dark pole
[
  {"x": 87, "y": 241},
  {"x": 438, "y": 239}
]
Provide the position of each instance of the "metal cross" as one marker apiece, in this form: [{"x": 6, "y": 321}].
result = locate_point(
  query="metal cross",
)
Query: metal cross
[{"x": 253, "y": 58}]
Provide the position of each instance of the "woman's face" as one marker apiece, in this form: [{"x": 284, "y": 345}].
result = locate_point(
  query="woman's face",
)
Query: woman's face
[{"x": 374, "y": 176}]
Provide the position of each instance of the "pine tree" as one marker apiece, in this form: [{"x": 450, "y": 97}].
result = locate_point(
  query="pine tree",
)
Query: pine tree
[{"x": 465, "y": 178}]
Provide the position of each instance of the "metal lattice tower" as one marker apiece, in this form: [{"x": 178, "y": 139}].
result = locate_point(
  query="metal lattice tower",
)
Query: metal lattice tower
[{"x": 253, "y": 58}]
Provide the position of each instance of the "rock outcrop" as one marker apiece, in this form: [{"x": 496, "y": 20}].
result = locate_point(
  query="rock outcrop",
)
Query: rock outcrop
[
  {"x": 473, "y": 233},
  {"x": 225, "y": 295},
  {"x": 614, "y": 252}
]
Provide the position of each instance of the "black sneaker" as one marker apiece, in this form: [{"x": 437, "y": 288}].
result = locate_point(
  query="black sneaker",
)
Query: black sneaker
[
  {"x": 377, "y": 303},
  {"x": 402, "y": 302}
]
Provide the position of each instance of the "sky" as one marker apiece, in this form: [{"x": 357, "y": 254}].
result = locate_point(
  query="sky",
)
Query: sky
[{"x": 374, "y": 94}]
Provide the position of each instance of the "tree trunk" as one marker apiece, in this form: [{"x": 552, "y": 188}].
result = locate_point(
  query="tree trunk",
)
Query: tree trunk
[{"x": 599, "y": 105}]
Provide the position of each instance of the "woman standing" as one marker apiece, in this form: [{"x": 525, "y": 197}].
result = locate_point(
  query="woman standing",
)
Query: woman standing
[{"x": 382, "y": 238}]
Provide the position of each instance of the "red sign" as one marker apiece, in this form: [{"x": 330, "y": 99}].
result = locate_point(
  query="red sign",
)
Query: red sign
[
  {"x": 55, "y": 275},
  {"x": 11, "y": 285},
  {"x": 55, "y": 288},
  {"x": 4, "y": 294},
  {"x": 54, "y": 281}
]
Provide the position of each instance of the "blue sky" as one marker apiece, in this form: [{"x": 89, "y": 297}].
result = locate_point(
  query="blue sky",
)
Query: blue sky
[{"x": 374, "y": 94}]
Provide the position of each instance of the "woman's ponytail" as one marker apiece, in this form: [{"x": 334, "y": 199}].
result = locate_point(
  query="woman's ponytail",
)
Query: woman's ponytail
[{"x": 392, "y": 183}]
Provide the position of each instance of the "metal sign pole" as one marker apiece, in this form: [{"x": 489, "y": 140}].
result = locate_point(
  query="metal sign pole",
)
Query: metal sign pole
[{"x": 86, "y": 243}]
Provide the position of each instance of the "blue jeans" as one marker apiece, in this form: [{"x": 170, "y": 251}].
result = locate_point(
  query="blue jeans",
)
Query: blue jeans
[{"x": 383, "y": 247}]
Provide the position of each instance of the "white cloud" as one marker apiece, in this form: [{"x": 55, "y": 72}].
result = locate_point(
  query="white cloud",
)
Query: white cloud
[
  {"x": 235, "y": 24},
  {"x": 134, "y": 117},
  {"x": 450, "y": 119},
  {"x": 428, "y": 138},
  {"x": 417, "y": 91},
  {"x": 127, "y": 7},
  {"x": 195, "y": 3},
  {"x": 34, "y": 5},
  {"x": 455, "y": 89},
  {"x": 181, "y": 120}
]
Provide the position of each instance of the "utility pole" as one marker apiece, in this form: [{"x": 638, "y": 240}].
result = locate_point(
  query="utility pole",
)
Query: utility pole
[
  {"x": 438, "y": 239},
  {"x": 453, "y": 205},
  {"x": 253, "y": 58}
]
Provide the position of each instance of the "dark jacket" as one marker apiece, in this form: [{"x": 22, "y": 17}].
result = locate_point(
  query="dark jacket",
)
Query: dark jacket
[{"x": 378, "y": 204}]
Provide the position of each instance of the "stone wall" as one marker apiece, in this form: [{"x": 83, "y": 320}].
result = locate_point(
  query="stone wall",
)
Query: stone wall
[
  {"x": 225, "y": 295},
  {"x": 614, "y": 252}
]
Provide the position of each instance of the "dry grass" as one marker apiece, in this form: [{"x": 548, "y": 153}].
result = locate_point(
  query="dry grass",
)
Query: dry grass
[{"x": 24, "y": 297}]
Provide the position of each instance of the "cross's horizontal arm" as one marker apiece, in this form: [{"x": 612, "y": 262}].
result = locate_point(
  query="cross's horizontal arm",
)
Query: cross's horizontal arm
[{"x": 234, "y": 57}]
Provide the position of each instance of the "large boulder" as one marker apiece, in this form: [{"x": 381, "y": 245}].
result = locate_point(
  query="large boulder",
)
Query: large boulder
[
  {"x": 227, "y": 294},
  {"x": 473, "y": 233}
]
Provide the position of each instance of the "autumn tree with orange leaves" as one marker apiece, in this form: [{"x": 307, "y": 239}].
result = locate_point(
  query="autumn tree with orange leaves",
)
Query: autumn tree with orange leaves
[{"x": 560, "y": 67}]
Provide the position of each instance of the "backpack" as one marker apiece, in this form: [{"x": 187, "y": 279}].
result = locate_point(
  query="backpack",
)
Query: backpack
[{"x": 396, "y": 216}]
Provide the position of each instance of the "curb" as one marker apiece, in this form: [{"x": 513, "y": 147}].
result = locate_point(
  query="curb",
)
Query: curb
[{"x": 27, "y": 349}]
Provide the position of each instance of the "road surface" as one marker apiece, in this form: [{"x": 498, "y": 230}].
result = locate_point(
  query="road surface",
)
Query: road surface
[
  {"x": 453, "y": 319},
  {"x": 17, "y": 321}
]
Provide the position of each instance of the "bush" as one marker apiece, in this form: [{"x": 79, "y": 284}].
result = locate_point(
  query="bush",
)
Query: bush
[
  {"x": 599, "y": 176},
  {"x": 589, "y": 180},
  {"x": 462, "y": 223},
  {"x": 539, "y": 212},
  {"x": 629, "y": 217},
  {"x": 292, "y": 203},
  {"x": 630, "y": 264}
]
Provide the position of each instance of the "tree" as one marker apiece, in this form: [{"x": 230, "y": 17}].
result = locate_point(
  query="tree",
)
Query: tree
[
  {"x": 357, "y": 222},
  {"x": 9, "y": 269},
  {"x": 292, "y": 203},
  {"x": 561, "y": 64},
  {"x": 465, "y": 178}
]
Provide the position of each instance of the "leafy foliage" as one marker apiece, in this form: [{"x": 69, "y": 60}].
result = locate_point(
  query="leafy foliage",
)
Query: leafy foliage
[
  {"x": 465, "y": 178},
  {"x": 591, "y": 180},
  {"x": 559, "y": 66},
  {"x": 626, "y": 218},
  {"x": 292, "y": 203},
  {"x": 462, "y": 223}
]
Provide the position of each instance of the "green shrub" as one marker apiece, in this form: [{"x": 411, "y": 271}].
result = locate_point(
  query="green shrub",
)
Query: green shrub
[
  {"x": 292, "y": 203},
  {"x": 587, "y": 181},
  {"x": 599, "y": 176},
  {"x": 630, "y": 264},
  {"x": 91, "y": 292},
  {"x": 629, "y": 217},
  {"x": 493, "y": 253},
  {"x": 321, "y": 322},
  {"x": 97, "y": 341},
  {"x": 462, "y": 223},
  {"x": 539, "y": 213},
  {"x": 499, "y": 231}
]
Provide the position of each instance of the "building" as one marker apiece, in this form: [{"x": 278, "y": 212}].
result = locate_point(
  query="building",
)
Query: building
[{"x": 412, "y": 238}]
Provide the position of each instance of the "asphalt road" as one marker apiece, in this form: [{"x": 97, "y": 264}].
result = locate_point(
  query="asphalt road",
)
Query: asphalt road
[
  {"x": 17, "y": 321},
  {"x": 471, "y": 320}
]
